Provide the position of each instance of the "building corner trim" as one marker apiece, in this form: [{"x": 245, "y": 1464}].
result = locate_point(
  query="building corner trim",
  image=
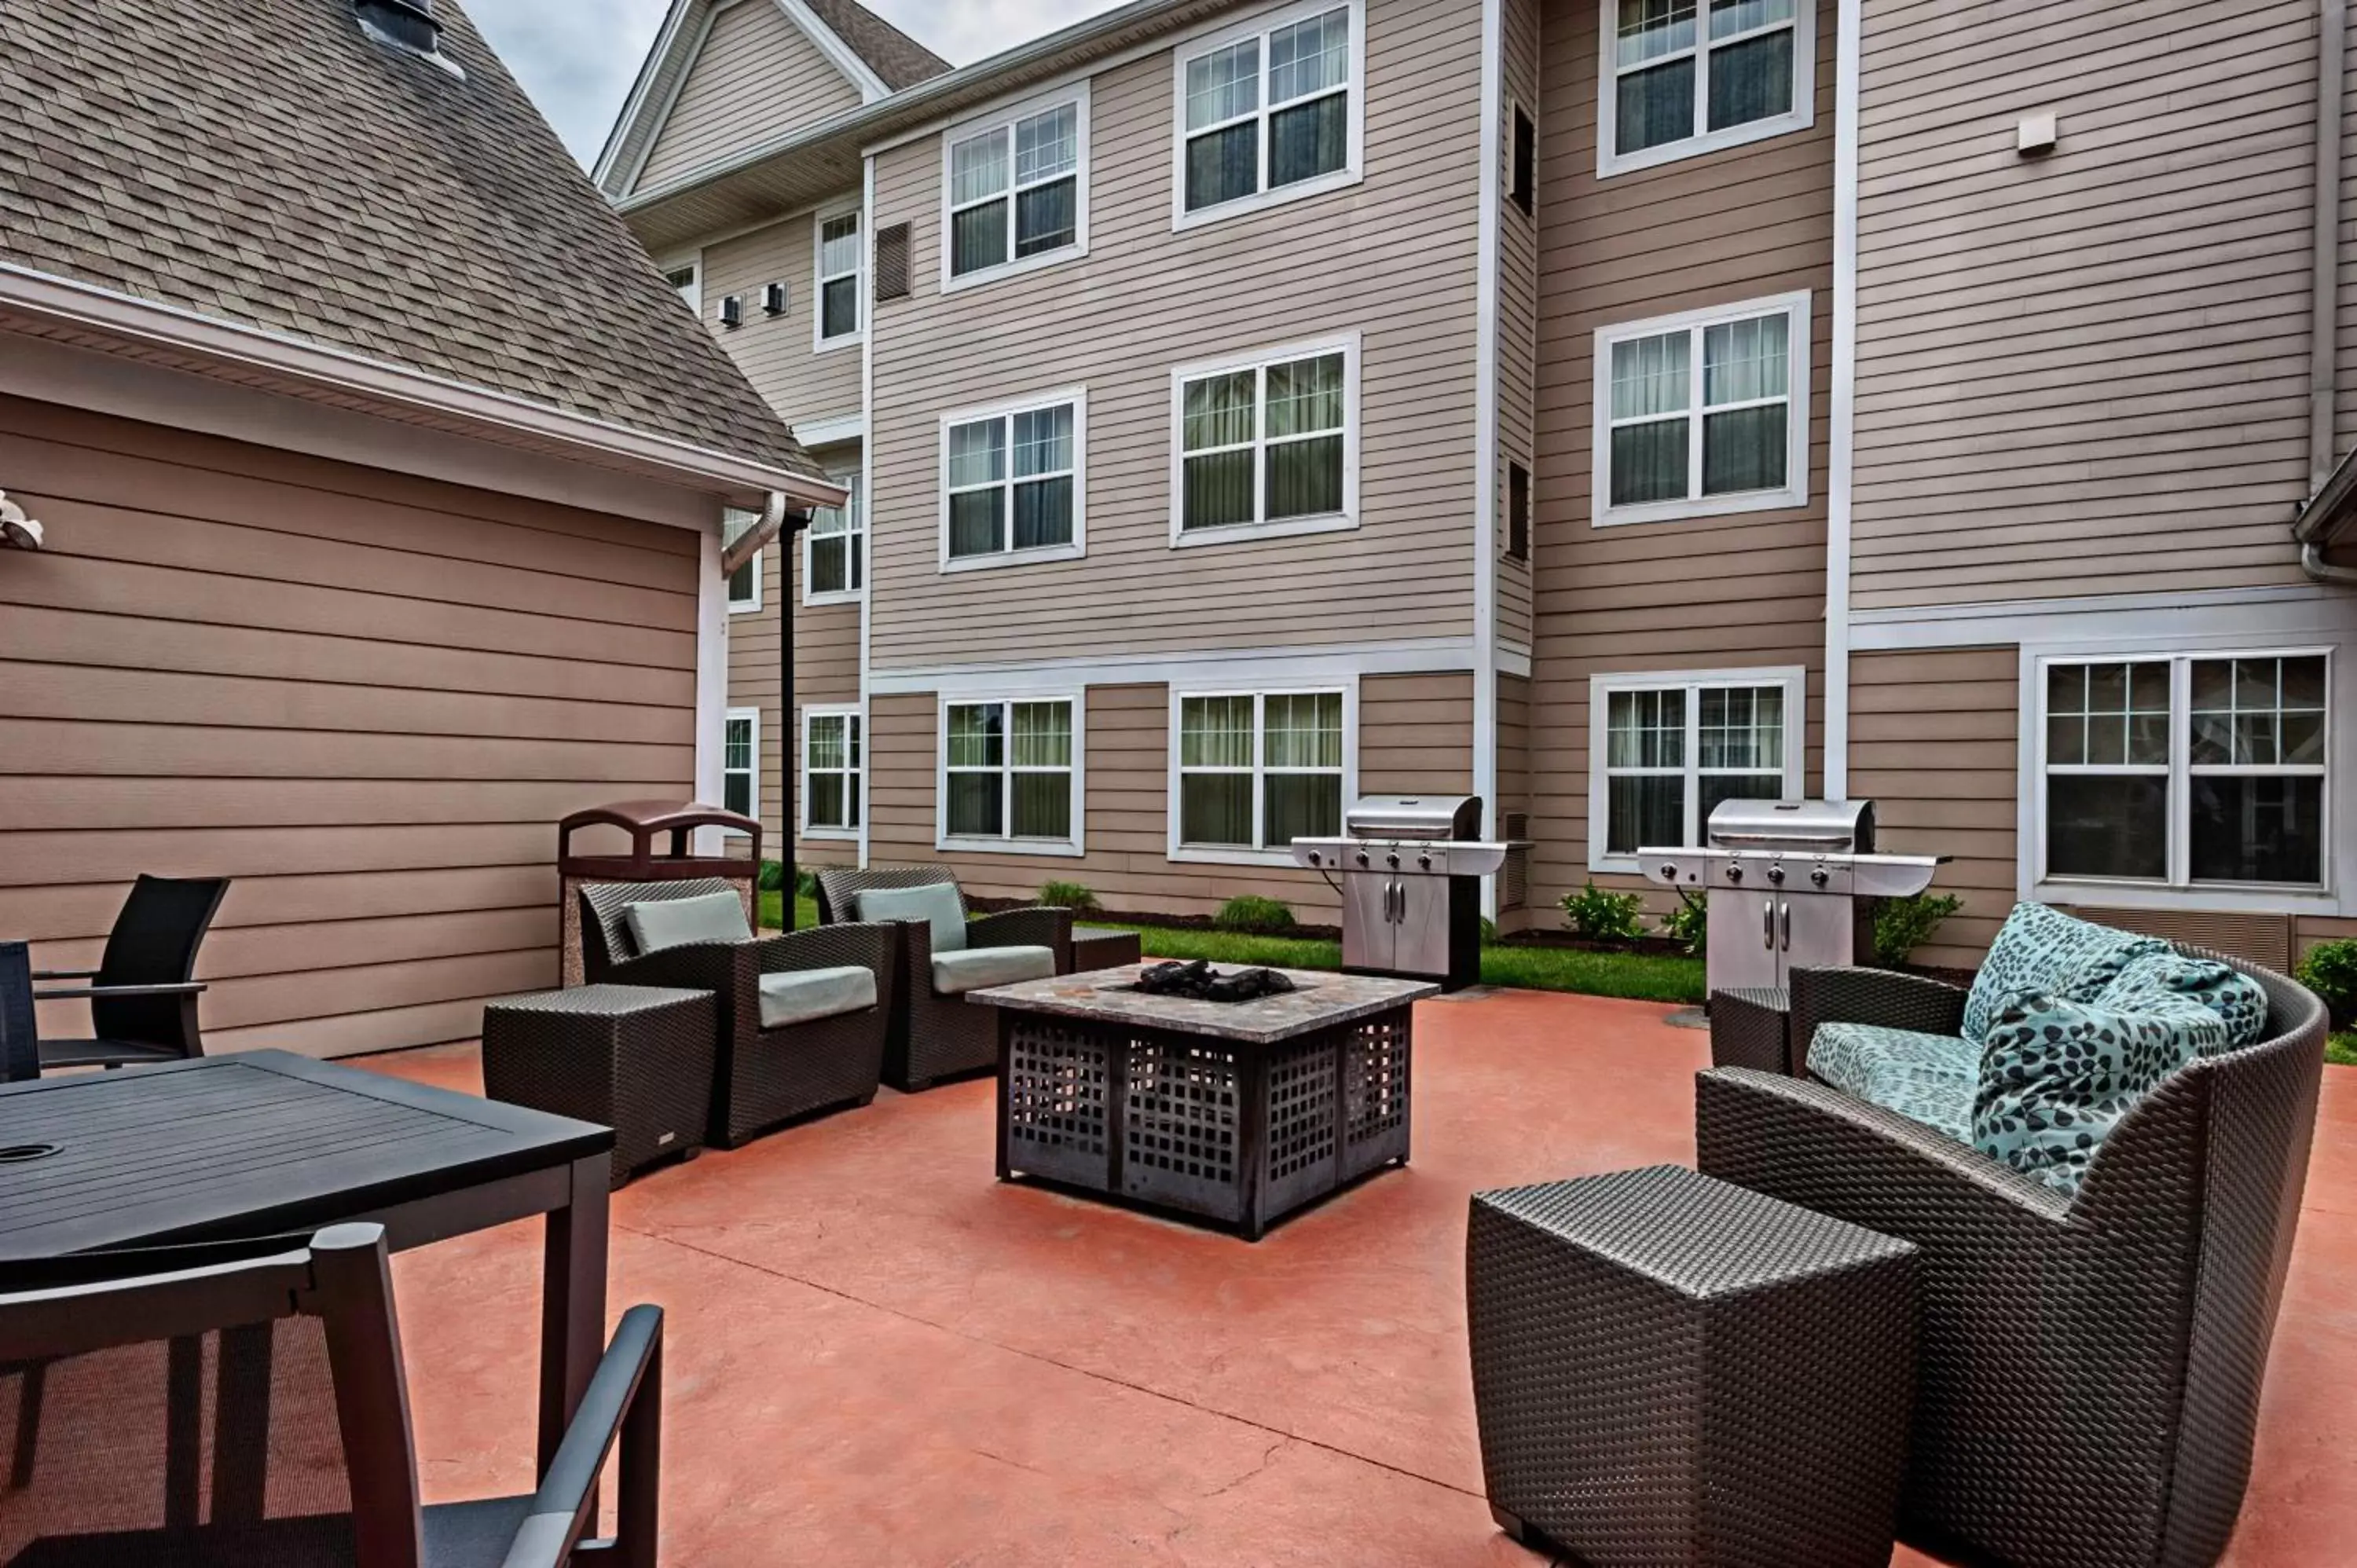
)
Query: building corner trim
[
  {"x": 872, "y": 329},
  {"x": 1843, "y": 414},
  {"x": 1485, "y": 436}
]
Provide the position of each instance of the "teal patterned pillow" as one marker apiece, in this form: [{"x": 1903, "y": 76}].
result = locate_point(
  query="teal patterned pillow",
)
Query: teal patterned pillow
[
  {"x": 2044, "y": 950},
  {"x": 2058, "y": 1075},
  {"x": 2226, "y": 990}
]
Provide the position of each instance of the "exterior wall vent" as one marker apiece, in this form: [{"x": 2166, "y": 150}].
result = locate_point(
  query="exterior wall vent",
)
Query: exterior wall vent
[
  {"x": 1514, "y": 877},
  {"x": 408, "y": 26},
  {"x": 892, "y": 262}
]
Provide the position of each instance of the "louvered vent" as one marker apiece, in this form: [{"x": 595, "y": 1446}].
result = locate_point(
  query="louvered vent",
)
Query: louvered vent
[
  {"x": 892, "y": 262},
  {"x": 1514, "y": 877}
]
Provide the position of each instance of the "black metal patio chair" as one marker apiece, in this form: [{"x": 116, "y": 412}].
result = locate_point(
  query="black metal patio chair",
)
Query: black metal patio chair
[
  {"x": 247, "y": 1404},
  {"x": 143, "y": 995}
]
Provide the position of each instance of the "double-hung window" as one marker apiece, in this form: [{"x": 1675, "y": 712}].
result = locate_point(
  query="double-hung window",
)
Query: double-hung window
[
  {"x": 834, "y": 549},
  {"x": 1012, "y": 486},
  {"x": 1257, "y": 771},
  {"x": 1666, "y": 749},
  {"x": 740, "y": 762},
  {"x": 1272, "y": 110},
  {"x": 839, "y": 264},
  {"x": 1017, "y": 191},
  {"x": 744, "y": 582},
  {"x": 686, "y": 279},
  {"x": 1683, "y": 77},
  {"x": 1267, "y": 443},
  {"x": 2184, "y": 771},
  {"x": 1702, "y": 412},
  {"x": 830, "y": 771},
  {"x": 1010, "y": 775}
]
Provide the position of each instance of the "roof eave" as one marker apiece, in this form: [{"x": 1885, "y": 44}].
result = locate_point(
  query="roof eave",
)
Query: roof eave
[{"x": 509, "y": 418}]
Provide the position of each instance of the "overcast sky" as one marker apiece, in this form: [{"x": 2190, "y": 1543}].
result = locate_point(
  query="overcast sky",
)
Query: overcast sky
[{"x": 576, "y": 57}]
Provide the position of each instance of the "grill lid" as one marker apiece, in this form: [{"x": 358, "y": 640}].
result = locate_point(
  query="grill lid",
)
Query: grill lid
[
  {"x": 1414, "y": 817},
  {"x": 1823, "y": 827}
]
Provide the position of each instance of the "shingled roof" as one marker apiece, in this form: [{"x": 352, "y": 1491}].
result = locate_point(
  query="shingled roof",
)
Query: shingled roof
[
  {"x": 265, "y": 163},
  {"x": 898, "y": 60}
]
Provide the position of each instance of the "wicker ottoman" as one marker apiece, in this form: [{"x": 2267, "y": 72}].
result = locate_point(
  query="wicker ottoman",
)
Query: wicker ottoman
[
  {"x": 1668, "y": 1369},
  {"x": 633, "y": 1058},
  {"x": 1753, "y": 1028},
  {"x": 1103, "y": 947}
]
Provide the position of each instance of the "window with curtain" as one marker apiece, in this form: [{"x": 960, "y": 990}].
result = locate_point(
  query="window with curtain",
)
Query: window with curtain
[
  {"x": 744, "y": 582},
  {"x": 830, "y": 771},
  {"x": 740, "y": 762},
  {"x": 1703, "y": 413},
  {"x": 1015, "y": 191},
  {"x": 1011, "y": 480},
  {"x": 836, "y": 547},
  {"x": 1258, "y": 770},
  {"x": 1267, "y": 110},
  {"x": 1007, "y": 772},
  {"x": 1689, "y": 71},
  {"x": 2184, "y": 771},
  {"x": 1267, "y": 443},
  {"x": 838, "y": 276},
  {"x": 1672, "y": 752}
]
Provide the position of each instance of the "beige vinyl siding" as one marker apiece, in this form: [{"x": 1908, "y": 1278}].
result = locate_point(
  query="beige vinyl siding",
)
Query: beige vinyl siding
[
  {"x": 1934, "y": 743},
  {"x": 775, "y": 352},
  {"x": 1393, "y": 258},
  {"x": 2083, "y": 373},
  {"x": 826, "y": 671},
  {"x": 1731, "y": 592},
  {"x": 756, "y": 76},
  {"x": 1513, "y": 784},
  {"x": 1518, "y": 306},
  {"x": 1415, "y": 737},
  {"x": 366, "y": 698}
]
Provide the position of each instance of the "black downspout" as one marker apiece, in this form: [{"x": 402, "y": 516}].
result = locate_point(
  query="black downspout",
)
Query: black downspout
[{"x": 789, "y": 773}]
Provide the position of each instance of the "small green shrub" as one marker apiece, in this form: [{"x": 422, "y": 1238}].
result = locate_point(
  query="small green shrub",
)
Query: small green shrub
[
  {"x": 805, "y": 883},
  {"x": 1071, "y": 895},
  {"x": 1488, "y": 932},
  {"x": 1603, "y": 916},
  {"x": 1255, "y": 915},
  {"x": 773, "y": 875},
  {"x": 2330, "y": 971},
  {"x": 1902, "y": 925},
  {"x": 1689, "y": 924}
]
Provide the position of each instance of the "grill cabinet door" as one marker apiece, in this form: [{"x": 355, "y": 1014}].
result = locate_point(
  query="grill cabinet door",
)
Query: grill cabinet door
[
  {"x": 1370, "y": 938},
  {"x": 1422, "y": 903},
  {"x": 1746, "y": 944},
  {"x": 1821, "y": 931}
]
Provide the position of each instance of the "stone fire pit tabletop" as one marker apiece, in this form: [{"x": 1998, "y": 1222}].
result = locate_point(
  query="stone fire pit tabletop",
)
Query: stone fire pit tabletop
[{"x": 1320, "y": 1000}]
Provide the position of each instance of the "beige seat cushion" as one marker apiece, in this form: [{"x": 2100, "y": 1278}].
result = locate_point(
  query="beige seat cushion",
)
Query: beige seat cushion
[
  {"x": 806, "y": 996},
  {"x": 937, "y": 904},
  {"x": 658, "y": 924},
  {"x": 979, "y": 969}
]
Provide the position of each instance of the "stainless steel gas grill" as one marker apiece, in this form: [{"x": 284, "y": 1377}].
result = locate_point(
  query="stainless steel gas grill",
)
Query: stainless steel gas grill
[
  {"x": 1791, "y": 885},
  {"x": 1410, "y": 870}
]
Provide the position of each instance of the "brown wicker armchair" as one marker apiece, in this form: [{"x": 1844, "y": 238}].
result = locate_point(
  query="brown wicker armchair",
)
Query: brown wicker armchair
[
  {"x": 2090, "y": 1366},
  {"x": 760, "y": 1077},
  {"x": 936, "y": 1037}
]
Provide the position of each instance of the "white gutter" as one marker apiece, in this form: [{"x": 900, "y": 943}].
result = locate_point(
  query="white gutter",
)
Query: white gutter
[{"x": 123, "y": 315}]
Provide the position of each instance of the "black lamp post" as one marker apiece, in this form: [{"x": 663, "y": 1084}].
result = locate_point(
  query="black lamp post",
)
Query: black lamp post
[{"x": 789, "y": 777}]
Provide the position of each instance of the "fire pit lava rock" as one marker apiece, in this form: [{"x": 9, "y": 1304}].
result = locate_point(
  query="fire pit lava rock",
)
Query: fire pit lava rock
[{"x": 1200, "y": 981}]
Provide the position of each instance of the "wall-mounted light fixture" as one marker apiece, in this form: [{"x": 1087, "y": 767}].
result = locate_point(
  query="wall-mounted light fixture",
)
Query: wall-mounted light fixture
[
  {"x": 732, "y": 310},
  {"x": 17, "y": 531},
  {"x": 773, "y": 299}
]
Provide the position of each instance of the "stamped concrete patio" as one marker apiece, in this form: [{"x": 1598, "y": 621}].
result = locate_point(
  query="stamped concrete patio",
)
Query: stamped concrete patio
[{"x": 879, "y": 1354}]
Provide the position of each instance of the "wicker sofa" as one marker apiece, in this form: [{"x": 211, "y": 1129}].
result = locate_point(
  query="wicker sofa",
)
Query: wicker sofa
[
  {"x": 2090, "y": 1365},
  {"x": 760, "y": 1077},
  {"x": 935, "y": 1037}
]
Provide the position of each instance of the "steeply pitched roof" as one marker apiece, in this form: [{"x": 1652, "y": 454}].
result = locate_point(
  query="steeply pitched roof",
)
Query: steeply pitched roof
[
  {"x": 898, "y": 60},
  {"x": 265, "y": 163}
]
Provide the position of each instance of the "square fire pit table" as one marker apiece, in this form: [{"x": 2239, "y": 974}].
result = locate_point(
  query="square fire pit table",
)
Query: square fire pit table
[{"x": 1240, "y": 1111}]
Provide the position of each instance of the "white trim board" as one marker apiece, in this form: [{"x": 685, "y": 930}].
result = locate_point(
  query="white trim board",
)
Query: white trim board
[
  {"x": 838, "y": 430},
  {"x": 1840, "y": 479},
  {"x": 1220, "y": 668},
  {"x": 2144, "y": 619},
  {"x": 839, "y": 54},
  {"x": 1497, "y": 147}
]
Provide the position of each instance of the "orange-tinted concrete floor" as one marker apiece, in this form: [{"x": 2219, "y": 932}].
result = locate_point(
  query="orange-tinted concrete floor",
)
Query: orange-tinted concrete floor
[{"x": 878, "y": 1354}]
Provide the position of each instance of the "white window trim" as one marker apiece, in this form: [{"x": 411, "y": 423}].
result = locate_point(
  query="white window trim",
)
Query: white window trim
[
  {"x": 752, "y": 717},
  {"x": 1078, "y": 696},
  {"x": 1078, "y": 399},
  {"x": 1200, "y": 855},
  {"x": 832, "y": 711},
  {"x": 2178, "y": 891},
  {"x": 1347, "y": 345},
  {"x": 1792, "y": 678},
  {"x": 1004, "y": 118},
  {"x": 1794, "y": 492},
  {"x": 820, "y": 342},
  {"x": 694, "y": 293},
  {"x": 1354, "y": 169},
  {"x": 840, "y": 596},
  {"x": 1803, "y": 112}
]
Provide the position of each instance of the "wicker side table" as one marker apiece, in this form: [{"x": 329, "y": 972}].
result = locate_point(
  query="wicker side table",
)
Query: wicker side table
[
  {"x": 1753, "y": 1028},
  {"x": 637, "y": 1058},
  {"x": 1671, "y": 1369},
  {"x": 1103, "y": 947}
]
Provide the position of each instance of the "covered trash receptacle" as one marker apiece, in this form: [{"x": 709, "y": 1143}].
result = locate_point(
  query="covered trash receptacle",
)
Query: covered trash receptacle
[{"x": 642, "y": 820}]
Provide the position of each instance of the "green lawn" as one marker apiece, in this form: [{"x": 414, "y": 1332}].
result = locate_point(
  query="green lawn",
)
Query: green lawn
[
  {"x": 1645, "y": 977},
  {"x": 2341, "y": 1050}
]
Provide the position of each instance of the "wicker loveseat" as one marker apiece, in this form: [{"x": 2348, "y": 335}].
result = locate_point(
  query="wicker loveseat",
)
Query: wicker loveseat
[
  {"x": 2090, "y": 1365},
  {"x": 935, "y": 1037},
  {"x": 760, "y": 1077}
]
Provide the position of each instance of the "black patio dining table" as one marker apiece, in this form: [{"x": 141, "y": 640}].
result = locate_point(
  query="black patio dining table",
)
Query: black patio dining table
[{"x": 265, "y": 1142}]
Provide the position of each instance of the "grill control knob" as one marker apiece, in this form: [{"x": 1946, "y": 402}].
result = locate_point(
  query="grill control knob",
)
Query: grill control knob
[
  {"x": 1821, "y": 876},
  {"x": 1424, "y": 861},
  {"x": 1313, "y": 858},
  {"x": 1669, "y": 872},
  {"x": 1735, "y": 873},
  {"x": 1776, "y": 874},
  {"x": 1393, "y": 860},
  {"x": 1362, "y": 857}
]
